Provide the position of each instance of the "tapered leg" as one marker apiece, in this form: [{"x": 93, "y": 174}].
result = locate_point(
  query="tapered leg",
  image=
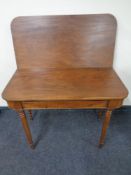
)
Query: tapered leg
[
  {"x": 26, "y": 127},
  {"x": 104, "y": 127},
  {"x": 30, "y": 113}
]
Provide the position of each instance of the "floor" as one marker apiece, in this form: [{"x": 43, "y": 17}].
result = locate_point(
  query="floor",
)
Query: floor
[{"x": 66, "y": 144}]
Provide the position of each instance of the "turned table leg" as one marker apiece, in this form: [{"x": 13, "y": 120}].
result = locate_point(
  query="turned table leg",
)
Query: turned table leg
[
  {"x": 104, "y": 127},
  {"x": 26, "y": 127},
  {"x": 30, "y": 113}
]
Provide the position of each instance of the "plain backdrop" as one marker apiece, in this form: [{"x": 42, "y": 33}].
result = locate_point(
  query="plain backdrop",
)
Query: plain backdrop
[{"x": 121, "y": 9}]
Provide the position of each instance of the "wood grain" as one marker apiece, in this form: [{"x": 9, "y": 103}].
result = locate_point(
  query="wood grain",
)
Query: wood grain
[
  {"x": 65, "y": 84},
  {"x": 64, "y": 61},
  {"x": 64, "y": 41}
]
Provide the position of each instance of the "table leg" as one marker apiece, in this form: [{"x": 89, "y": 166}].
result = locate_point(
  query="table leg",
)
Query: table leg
[
  {"x": 30, "y": 113},
  {"x": 104, "y": 127},
  {"x": 26, "y": 127},
  {"x": 100, "y": 114}
]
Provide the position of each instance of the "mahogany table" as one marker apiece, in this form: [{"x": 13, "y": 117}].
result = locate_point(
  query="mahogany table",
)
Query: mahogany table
[{"x": 64, "y": 62}]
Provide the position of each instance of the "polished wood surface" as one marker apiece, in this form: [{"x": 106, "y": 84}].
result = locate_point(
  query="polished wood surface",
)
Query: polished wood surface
[
  {"x": 64, "y": 62},
  {"x": 65, "y": 41},
  {"x": 65, "y": 84}
]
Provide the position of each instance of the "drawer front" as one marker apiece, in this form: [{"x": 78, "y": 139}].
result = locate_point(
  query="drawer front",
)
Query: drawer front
[{"x": 64, "y": 104}]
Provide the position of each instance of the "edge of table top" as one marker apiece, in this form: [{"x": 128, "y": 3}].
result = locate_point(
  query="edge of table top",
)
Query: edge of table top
[{"x": 122, "y": 96}]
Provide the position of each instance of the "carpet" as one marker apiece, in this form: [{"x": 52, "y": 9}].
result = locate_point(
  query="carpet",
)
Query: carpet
[{"x": 66, "y": 143}]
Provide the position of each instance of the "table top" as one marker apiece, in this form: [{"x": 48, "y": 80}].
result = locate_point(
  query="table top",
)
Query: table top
[
  {"x": 65, "y": 84},
  {"x": 64, "y": 41},
  {"x": 64, "y": 57}
]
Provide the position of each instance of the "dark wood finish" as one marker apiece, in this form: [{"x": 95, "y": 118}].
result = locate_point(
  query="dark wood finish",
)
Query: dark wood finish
[
  {"x": 64, "y": 62},
  {"x": 104, "y": 127},
  {"x": 26, "y": 127}
]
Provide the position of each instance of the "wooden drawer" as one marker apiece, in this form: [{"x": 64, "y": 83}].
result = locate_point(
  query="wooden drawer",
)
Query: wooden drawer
[{"x": 64, "y": 104}]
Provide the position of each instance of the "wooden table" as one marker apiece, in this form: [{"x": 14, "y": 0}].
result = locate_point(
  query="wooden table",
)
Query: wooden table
[{"x": 64, "y": 62}]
